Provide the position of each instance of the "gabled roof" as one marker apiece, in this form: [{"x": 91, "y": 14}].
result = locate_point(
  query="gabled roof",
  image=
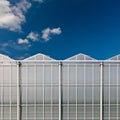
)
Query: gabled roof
[
  {"x": 81, "y": 57},
  {"x": 117, "y": 57},
  {"x": 5, "y": 58},
  {"x": 39, "y": 56}
]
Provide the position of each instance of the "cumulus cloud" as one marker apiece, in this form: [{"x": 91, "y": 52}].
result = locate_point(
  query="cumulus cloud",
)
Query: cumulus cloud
[
  {"x": 23, "y": 41},
  {"x": 11, "y": 17},
  {"x": 46, "y": 33},
  {"x": 33, "y": 36}
]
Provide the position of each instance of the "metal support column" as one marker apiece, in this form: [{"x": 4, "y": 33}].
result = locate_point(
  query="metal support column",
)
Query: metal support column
[
  {"x": 18, "y": 92},
  {"x": 101, "y": 90},
  {"x": 60, "y": 97}
]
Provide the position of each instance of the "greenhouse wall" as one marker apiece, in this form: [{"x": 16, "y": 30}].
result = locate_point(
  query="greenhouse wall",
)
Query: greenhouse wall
[{"x": 77, "y": 88}]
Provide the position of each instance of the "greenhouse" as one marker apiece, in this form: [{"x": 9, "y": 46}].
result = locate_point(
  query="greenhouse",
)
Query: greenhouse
[{"x": 42, "y": 88}]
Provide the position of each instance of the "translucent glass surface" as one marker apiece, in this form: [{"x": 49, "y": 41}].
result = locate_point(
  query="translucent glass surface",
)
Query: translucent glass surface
[{"x": 41, "y": 88}]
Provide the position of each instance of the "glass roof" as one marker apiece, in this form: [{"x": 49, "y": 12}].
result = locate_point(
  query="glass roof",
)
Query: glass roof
[
  {"x": 117, "y": 57},
  {"x": 81, "y": 57},
  {"x": 39, "y": 56},
  {"x": 5, "y": 58}
]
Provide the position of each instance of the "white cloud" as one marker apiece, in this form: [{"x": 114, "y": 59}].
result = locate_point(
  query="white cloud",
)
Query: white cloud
[
  {"x": 33, "y": 36},
  {"x": 56, "y": 31},
  {"x": 23, "y": 41},
  {"x": 12, "y": 17},
  {"x": 46, "y": 33}
]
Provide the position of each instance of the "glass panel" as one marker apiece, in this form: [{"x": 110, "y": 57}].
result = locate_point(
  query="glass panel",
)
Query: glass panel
[
  {"x": 80, "y": 74},
  {"x": 39, "y": 113},
  {"x": 97, "y": 95},
  {"x": 72, "y": 95},
  {"x": 14, "y": 74},
  {"x": 39, "y": 74},
  {"x": 55, "y": 95},
  {"x": 88, "y": 74},
  {"x": 47, "y": 112},
  {"x": 81, "y": 112},
  {"x": 72, "y": 74},
  {"x": 80, "y": 95},
  {"x": 6, "y": 95},
  {"x": 88, "y": 95},
  {"x": 47, "y": 95},
  {"x": 65, "y": 74},
  {"x": 72, "y": 112},
  {"x": 47, "y": 74},
  {"x": 106, "y": 74},
  {"x": 106, "y": 95},
  {"x": 14, "y": 95},
  {"x": 96, "y": 74},
  {"x": 6, "y": 73},
  {"x": 64, "y": 94},
  {"x": 23, "y": 74},
  {"x": 30, "y": 74},
  {"x": 30, "y": 95},
  {"x": 113, "y": 95},
  {"x": 39, "y": 95},
  {"x": 55, "y": 74},
  {"x": 113, "y": 74}
]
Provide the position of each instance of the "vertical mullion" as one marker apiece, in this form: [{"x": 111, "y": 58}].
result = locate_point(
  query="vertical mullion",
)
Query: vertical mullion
[
  {"x": 10, "y": 92},
  {"x": 109, "y": 91},
  {"x": 2, "y": 91},
  {"x": 35, "y": 87},
  {"x": 84, "y": 93},
  {"x": 76, "y": 94},
  {"x": 27, "y": 91},
  {"x": 101, "y": 90},
  {"x": 68, "y": 91},
  {"x": 51, "y": 93},
  {"x": 43, "y": 91},
  {"x": 117, "y": 92},
  {"x": 93, "y": 91},
  {"x": 18, "y": 91},
  {"x": 60, "y": 85}
]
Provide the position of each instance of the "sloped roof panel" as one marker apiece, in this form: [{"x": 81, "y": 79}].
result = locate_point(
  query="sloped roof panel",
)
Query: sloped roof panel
[
  {"x": 81, "y": 57},
  {"x": 117, "y": 57},
  {"x": 39, "y": 57},
  {"x": 5, "y": 58}
]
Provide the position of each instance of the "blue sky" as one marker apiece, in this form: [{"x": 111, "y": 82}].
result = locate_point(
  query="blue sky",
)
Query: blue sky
[{"x": 60, "y": 28}]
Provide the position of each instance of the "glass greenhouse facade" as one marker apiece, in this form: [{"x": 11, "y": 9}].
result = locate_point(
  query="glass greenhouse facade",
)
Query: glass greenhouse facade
[{"x": 41, "y": 88}]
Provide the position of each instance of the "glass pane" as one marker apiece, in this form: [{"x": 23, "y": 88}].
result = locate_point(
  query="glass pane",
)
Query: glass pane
[
  {"x": 72, "y": 95},
  {"x": 113, "y": 95},
  {"x": 55, "y": 74},
  {"x": 47, "y": 74},
  {"x": 65, "y": 74},
  {"x": 72, "y": 74},
  {"x": 113, "y": 74},
  {"x": 39, "y": 74},
  {"x": 80, "y": 95},
  {"x": 88, "y": 74},
  {"x": 47, "y": 95},
  {"x": 80, "y": 74},
  {"x": 88, "y": 95},
  {"x": 55, "y": 95}
]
